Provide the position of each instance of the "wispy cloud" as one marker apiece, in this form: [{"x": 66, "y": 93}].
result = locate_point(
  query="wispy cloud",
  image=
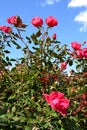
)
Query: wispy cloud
[
  {"x": 82, "y": 16},
  {"x": 49, "y": 2}
]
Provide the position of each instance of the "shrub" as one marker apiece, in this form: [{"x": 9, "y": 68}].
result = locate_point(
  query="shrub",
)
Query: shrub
[{"x": 39, "y": 72}]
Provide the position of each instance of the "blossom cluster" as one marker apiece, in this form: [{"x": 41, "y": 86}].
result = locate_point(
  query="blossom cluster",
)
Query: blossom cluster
[
  {"x": 50, "y": 21},
  {"x": 14, "y": 20},
  {"x": 78, "y": 51},
  {"x": 6, "y": 29}
]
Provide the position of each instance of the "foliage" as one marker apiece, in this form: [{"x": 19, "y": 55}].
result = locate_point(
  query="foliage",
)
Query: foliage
[{"x": 22, "y": 106}]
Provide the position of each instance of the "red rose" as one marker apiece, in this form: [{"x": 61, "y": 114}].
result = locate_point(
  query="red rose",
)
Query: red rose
[
  {"x": 37, "y": 21},
  {"x": 73, "y": 89},
  {"x": 85, "y": 73},
  {"x": 12, "y": 20},
  {"x": 54, "y": 36},
  {"x": 5, "y": 29},
  {"x": 75, "y": 45},
  {"x": 83, "y": 96},
  {"x": 57, "y": 101},
  {"x": 63, "y": 66},
  {"x": 51, "y": 21}
]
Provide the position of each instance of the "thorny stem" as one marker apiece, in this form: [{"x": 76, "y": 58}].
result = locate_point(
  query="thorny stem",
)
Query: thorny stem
[
  {"x": 23, "y": 41},
  {"x": 28, "y": 51},
  {"x": 43, "y": 45}
]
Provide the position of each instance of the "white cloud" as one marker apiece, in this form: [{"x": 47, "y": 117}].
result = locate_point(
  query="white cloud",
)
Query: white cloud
[
  {"x": 82, "y": 16},
  {"x": 77, "y": 3},
  {"x": 49, "y": 2}
]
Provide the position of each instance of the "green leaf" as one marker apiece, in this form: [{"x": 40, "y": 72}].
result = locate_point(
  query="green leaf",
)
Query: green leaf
[
  {"x": 12, "y": 59},
  {"x": 9, "y": 63},
  {"x": 12, "y": 97},
  {"x": 27, "y": 128},
  {"x": 6, "y": 51},
  {"x": 70, "y": 62},
  {"x": 8, "y": 44},
  {"x": 22, "y": 60},
  {"x": 15, "y": 118},
  {"x": 13, "y": 109},
  {"x": 62, "y": 129},
  {"x": 17, "y": 45},
  {"x": 38, "y": 34},
  {"x": 7, "y": 58},
  {"x": 33, "y": 36},
  {"x": 28, "y": 38},
  {"x": 35, "y": 48}
]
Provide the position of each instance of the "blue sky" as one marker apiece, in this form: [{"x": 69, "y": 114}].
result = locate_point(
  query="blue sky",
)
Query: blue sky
[{"x": 71, "y": 15}]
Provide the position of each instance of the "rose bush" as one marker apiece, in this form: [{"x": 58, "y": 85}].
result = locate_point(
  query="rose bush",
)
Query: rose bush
[{"x": 41, "y": 72}]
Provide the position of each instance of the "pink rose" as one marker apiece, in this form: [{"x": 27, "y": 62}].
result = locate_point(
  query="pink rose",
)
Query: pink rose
[
  {"x": 75, "y": 45},
  {"x": 54, "y": 36},
  {"x": 12, "y": 20},
  {"x": 84, "y": 52},
  {"x": 63, "y": 65},
  {"x": 6, "y": 29},
  {"x": 79, "y": 53},
  {"x": 37, "y": 21},
  {"x": 73, "y": 54},
  {"x": 51, "y": 21},
  {"x": 58, "y": 102},
  {"x": 16, "y": 21}
]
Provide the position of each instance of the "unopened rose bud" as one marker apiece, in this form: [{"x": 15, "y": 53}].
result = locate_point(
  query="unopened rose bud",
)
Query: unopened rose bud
[{"x": 54, "y": 36}]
